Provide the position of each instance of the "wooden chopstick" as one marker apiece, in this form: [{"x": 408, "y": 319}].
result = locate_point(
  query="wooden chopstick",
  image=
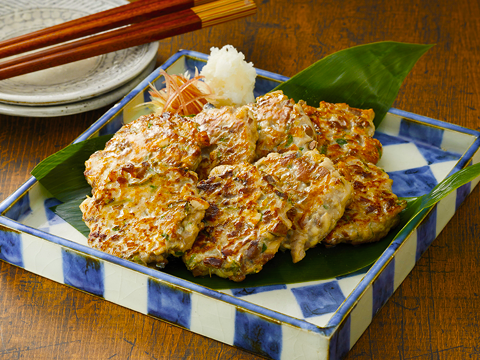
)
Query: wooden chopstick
[
  {"x": 180, "y": 22},
  {"x": 135, "y": 12}
]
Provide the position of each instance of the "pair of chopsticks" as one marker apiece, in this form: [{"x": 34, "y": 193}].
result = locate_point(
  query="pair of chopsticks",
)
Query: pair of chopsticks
[{"x": 137, "y": 23}]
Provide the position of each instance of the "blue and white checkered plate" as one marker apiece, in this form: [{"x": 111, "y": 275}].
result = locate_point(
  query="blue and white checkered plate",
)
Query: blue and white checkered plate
[{"x": 310, "y": 320}]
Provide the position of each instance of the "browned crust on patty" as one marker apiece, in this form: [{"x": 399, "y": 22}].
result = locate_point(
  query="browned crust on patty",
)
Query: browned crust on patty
[
  {"x": 374, "y": 209},
  {"x": 344, "y": 131},
  {"x": 147, "y": 218},
  {"x": 152, "y": 139},
  {"x": 316, "y": 190},
  {"x": 244, "y": 225},
  {"x": 232, "y": 133},
  {"x": 282, "y": 125}
]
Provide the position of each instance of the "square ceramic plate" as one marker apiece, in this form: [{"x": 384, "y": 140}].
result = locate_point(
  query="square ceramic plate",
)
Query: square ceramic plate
[{"x": 312, "y": 320}]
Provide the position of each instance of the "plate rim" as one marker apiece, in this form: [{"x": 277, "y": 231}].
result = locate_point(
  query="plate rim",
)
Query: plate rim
[
  {"x": 90, "y": 92},
  {"x": 81, "y": 106}
]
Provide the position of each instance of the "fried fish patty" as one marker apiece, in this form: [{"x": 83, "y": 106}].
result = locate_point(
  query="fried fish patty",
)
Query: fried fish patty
[
  {"x": 317, "y": 191},
  {"x": 344, "y": 131},
  {"x": 152, "y": 139},
  {"x": 232, "y": 133},
  {"x": 374, "y": 210},
  {"x": 145, "y": 217},
  {"x": 282, "y": 125},
  {"x": 244, "y": 225}
]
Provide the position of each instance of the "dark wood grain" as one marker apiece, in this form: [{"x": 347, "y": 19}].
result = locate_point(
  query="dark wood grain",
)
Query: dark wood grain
[{"x": 434, "y": 314}]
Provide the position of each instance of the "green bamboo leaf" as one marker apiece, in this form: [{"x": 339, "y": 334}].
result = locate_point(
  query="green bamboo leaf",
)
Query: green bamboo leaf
[
  {"x": 71, "y": 213},
  {"x": 320, "y": 263},
  {"x": 366, "y": 76},
  {"x": 439, "y": 192},
  {"x": 451, "y": 183},
  {"x": 62, "y": 173}
]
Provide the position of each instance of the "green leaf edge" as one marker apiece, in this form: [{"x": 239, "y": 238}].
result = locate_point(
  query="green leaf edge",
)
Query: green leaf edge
[
  {"x": 59, "y": 166},
  {"x": 295, "y": 88}
]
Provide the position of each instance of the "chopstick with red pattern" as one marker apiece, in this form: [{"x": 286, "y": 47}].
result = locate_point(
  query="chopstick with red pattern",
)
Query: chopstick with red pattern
[
  {"x": 134, "y": 12},
  {"x": 142, "y": 32}
]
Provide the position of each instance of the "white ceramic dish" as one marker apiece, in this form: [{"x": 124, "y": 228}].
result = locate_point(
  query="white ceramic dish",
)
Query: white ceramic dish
[
  {"x": 80, "y": 106},
  {"x": 319, "y": 319},
  {"x": 69, "y": 83}
]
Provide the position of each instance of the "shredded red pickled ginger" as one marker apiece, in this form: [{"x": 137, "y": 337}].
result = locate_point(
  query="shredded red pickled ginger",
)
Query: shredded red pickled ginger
[{"x": 181, "y": 95}]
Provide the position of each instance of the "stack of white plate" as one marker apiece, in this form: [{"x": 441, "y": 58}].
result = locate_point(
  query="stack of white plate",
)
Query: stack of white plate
[{"x": 72, "y": 88}]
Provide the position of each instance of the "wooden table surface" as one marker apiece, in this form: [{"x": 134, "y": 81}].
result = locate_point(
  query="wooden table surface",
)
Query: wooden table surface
[{"x": 436, "y": 311}]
